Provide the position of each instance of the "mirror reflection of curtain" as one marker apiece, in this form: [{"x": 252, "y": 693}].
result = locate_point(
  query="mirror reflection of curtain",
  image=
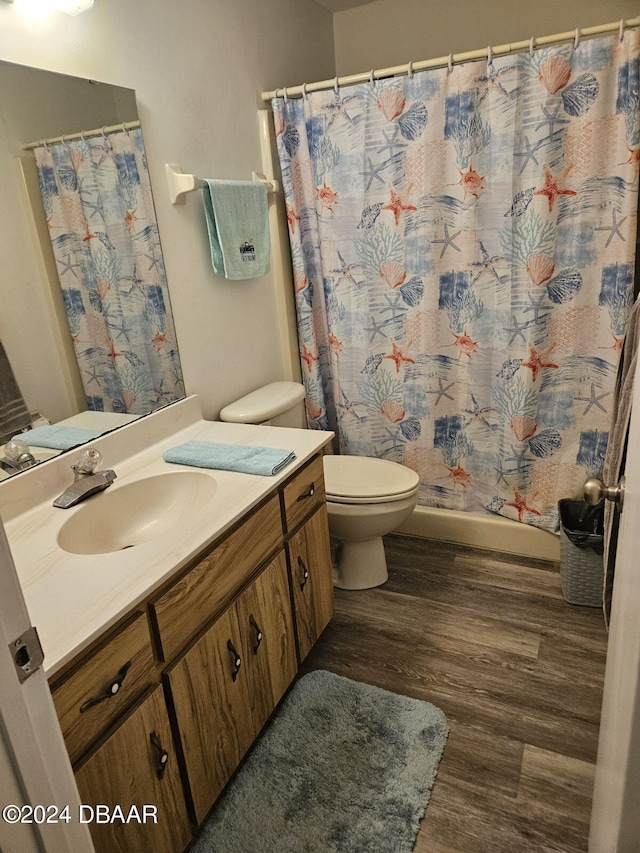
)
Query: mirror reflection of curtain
[
  {"x": 97, "y": 199},
  {"x": 14, "y": 415}
]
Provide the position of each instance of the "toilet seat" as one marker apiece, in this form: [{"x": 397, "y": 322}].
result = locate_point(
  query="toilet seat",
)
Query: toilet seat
[{"x": 367, "y": 480}]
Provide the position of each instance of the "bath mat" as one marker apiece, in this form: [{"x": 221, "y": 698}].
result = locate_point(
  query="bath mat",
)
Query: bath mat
[{"x": 342, "y": 766}]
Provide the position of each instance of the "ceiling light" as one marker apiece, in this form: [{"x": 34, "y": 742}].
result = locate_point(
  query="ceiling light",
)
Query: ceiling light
[{"x": 41, "y": 8}]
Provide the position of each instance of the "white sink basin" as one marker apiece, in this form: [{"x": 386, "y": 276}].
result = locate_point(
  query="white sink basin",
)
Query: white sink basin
[{"x": 132, "y": 514}]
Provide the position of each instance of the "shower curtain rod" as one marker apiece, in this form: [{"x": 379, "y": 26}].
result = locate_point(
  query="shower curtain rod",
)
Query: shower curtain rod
[
  {"x": 98, "y": 131},
  {"x": 441, "y": 61}
]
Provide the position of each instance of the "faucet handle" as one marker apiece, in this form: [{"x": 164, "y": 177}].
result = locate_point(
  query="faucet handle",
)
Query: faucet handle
[
  {"x": 88, "y": 461},
  {"x": 18, "y": 451}
]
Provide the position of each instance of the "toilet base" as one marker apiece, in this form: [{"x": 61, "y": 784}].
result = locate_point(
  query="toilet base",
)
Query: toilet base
[{"x": 360, "y": 565}]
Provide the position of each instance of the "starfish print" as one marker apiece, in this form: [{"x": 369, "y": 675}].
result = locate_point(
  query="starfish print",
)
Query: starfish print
[
  {"x": 634, "y": 159},
  {"x": 396, "y": 205},
  {"x": 338, "y": 108},
  {"x": 459, "y": 475},
  {"x": 345, "y": 271},
  {"x": 393, "y": 305},
  {"x": 347, "y": 405},
  {"x": 519, "y": 503},
  {"x": 397, "y": 355},
  {"x": 119, "y": 329},
  {"x": 466, "y": 344},
  {"x": 501, "y": 476},
  {"x": 87, "y": 234},
  {"x": 154, "y": 263},
  {"x": 130, "y": 218},
  {"x": 471, "y": 182},
  {"x": 539, "y": 360},
  {"x": 478, "y": 414},
  {"x": 529, "y": 153},
  {"x": 335, "y": 344},
  {"x": 517, "y": 329},
  {"x": 519, "y": 457},
  {"x": 492, "y": 79},
  {"x": 447, "y": 240},
  {"x": 617, "y": 343},
  {"x": 536, "y": 306},
  {"x": 553, "y": 187},
  {"x": 390, "y": 143},
  {"x": 112, "y": 351},
  {"x": 442, "y": 391},
  {"x": 372, "y": 173},
  {"x": 551, "y": 119},
  {"x": 159, "y": 340},
  {"x": 487, "y": 264},
  {"x": 614, "y": 228},
  {"x": 326, "y": 196},
  {"x": 292, "y": 218},
  {"x": 94, "y": 207},
  {"x": 93, "y": 375},
  {"x": 376, "y": 329},
  {"x": 68, "y": 266},
  {"x": 307, "y": 356},
  {"x": 593, "y": 400}
]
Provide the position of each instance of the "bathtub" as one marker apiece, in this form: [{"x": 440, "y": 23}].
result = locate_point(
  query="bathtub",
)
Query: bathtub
[{"x": 482, "y": 531}]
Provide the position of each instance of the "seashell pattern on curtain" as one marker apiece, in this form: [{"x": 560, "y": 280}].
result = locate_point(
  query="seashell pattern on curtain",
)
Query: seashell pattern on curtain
[
  {"x": 463, "y": 249},
  {"x": 97, "y": 199}
]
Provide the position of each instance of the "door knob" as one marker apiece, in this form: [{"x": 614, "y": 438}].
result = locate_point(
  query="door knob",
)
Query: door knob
[{"x": 595, "y": 491}]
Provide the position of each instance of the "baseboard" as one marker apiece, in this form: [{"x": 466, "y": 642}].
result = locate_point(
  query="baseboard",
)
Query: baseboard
[{"x": 489, "y": 532}]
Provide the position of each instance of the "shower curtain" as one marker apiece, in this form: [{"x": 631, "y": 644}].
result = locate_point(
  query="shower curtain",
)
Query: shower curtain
[
  {"x": 97, "y": 199},
  {"x": 463, "y": 247}
]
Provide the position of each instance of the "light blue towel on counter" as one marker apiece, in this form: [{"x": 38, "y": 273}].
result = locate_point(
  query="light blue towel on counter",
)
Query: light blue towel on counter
[
  {"x": 58, "y": 437},
  {"x": 245, "y": 459},
  {"x": 238, "y": 225}
]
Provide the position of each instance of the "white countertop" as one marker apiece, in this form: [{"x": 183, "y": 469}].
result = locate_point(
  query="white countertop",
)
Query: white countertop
[{"x": 73, "y": 598}]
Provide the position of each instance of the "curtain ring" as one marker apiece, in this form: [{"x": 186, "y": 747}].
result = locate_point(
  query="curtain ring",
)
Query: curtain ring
[
  {"x": 336, "y": 88},
  {"x": 450, "y": 63},
  {"x": 63, "y": 141},
  {"x": 124, "y": 128},
  {"x": 82, "y": 133},
  {"x": 410, "y": 70},
  {"x": 371, "y": 78},
  {"x": 621, "y": 29},
  {"x": 576, "y": 40},
  {"x": 304, "y": 91},
  {"x": 489, "y": 55},
  {"x": 284, "y": 94},
  {"x": 532, "y": 43}
]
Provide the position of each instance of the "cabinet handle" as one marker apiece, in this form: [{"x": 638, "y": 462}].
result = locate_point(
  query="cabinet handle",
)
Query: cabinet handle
[
  {"x": 110, "y": 692},
  {"x": 259, "y": 634},
  {"x": 308, "y": 494},
  {"x": 305, "y": 573},
  {"x": 236, "y": 660},
  {"x": 162, "y": 756}
]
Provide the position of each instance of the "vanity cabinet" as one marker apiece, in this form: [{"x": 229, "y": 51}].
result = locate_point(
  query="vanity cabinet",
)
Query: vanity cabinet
[
  {"x": 164, "y": 709},
  {"x": 137, "y": 765}
]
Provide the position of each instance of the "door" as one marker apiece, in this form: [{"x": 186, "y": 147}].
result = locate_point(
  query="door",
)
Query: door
[{"x": 615, "y": 818}]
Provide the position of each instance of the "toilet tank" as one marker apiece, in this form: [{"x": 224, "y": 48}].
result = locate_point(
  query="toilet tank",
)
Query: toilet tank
[{"x": 277, "y": 404}]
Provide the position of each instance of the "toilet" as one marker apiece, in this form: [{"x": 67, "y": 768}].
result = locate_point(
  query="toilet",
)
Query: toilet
[{"x": 366, "y": 497}]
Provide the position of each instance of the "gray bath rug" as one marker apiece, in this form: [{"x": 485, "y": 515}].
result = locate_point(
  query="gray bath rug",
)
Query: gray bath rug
[{"x": 343, "y": 767}]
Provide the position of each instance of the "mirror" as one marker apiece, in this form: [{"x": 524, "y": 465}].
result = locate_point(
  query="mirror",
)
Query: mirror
[{"x": 49, "y": 240}]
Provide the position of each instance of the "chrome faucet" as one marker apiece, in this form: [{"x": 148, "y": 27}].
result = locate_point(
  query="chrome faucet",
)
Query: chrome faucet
[
  {"x": 86, "y": 480},
  {"x": 17, "y": 456}
]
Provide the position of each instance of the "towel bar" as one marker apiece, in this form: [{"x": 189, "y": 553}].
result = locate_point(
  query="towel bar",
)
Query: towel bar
[{"x": 181, "y": 184}]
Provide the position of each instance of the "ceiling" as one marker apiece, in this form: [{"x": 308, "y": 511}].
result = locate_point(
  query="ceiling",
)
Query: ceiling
[{"x": 341, "y": 5}]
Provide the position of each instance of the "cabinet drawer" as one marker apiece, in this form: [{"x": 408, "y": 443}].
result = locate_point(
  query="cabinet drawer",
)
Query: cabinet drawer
[
  {"x": 212, "y": 584},
  {"x": 95, "y": 694},
  {"x": 304, "y": 493}
]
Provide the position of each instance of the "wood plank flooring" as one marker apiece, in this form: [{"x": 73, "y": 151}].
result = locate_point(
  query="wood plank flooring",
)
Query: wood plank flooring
[{"x": 490, "y": 640}]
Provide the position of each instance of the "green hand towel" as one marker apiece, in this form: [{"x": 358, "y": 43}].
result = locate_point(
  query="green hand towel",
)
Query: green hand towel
[{"x": 238, "y": 226}]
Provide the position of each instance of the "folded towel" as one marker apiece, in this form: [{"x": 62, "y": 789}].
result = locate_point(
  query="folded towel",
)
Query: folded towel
[
  {"x": 14, "y": 415},
  {"x": 266, "y": 461},
  {"x": 59, "y": 437},
  {"x": 238, "y": 225}
]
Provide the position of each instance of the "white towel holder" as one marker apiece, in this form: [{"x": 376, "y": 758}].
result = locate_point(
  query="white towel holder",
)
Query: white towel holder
[{"x": 181, "y": 184}]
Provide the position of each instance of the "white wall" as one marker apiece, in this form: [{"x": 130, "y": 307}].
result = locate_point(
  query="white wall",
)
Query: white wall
[
  {"x": 198, "y": 68},
  {"x": 392, "y": 32}
]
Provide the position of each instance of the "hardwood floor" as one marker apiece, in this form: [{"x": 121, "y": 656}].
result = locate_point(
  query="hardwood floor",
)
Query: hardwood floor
[{"x": 490, "y": 640}]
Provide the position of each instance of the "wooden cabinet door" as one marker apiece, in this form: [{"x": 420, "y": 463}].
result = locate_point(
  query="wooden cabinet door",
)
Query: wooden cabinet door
[
  {"x": 311, "y": 582},
  {"x": 209, "y": 690},
  {"x": 134, "y": 767},
  {"x": 268, "y": 642}
]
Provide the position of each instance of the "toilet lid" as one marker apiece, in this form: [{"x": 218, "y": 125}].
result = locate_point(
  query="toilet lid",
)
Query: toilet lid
[{"x": 364, "y": 478}]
